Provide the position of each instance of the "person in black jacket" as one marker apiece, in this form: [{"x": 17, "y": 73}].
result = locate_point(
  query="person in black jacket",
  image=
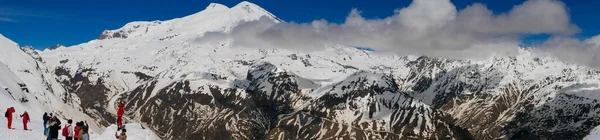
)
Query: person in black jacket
[
  {"x": 54, "y": 128},
  {"x": 46, "y": 118},
  {"x": 49, "y": 125}
]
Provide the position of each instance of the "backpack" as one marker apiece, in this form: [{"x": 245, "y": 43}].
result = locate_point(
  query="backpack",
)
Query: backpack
[
  {"x": 6, "y": 114},
  {"x": 65, "y": 131}
]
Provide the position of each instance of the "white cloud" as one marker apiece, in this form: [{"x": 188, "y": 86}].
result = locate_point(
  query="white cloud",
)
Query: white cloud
[
  {"x": 5, "y": 19},
  {"x": 426, "y": 27},
  {"x": 531, "y": 17},
  {"x": 426, "y": 14},
  {"x": 586, "y": 52}
]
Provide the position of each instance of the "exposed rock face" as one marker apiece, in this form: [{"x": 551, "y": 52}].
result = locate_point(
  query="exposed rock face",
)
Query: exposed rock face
[
  {"x": 200, "y": 109},
  {"x": 272, "y": 103},
  {"x": 432, "y": 99},
  {"x": 566, "y": 117},
  {"x": 92, "y": 95},
  {"x": 106, "y": 34},
  {"x": 277, "y": 91},
  {"x": 56, "y": 47},
  {"x": 205, "y": 112},
  {"x": 367, "y": 106},
  {"x": 521, "y": 108}
]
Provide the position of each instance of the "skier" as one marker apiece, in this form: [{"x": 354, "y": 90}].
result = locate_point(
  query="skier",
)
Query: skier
[
  {"x": 120, "y": 115},
  {"x": 54, "y": 128},
  {"x": 46, "y": 118},
  {"x": 68, "y": 130},
  {"x": 123, "y": 136},
  {"x": 8, "y": 115},
  {"x": 26, "y": 120}
]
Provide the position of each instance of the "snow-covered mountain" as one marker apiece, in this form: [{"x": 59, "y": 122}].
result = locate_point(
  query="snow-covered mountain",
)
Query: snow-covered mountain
[
  {"x": 216, "y": 17},
  {"x": 185, "y": 89},
  {"x": 28, "y": 85}
]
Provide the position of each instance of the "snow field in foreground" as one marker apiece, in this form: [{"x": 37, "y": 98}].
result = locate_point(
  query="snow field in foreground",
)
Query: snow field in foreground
[
  {"x": 134, "y": 131},
  {"x": 594, "y": 134}
]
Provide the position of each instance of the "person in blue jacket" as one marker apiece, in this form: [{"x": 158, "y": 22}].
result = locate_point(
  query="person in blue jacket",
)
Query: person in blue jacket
[{"x": 46, "y": 118}]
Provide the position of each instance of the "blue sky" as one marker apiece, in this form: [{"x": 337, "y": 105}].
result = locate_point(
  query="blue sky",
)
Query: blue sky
[{"x": 43, "y": 23}]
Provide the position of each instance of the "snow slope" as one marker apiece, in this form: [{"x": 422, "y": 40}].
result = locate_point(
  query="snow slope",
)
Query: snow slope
[
  {"x": 37, "y": 131},
  {"x": 215, "y": 18},
  {"x": 594, "y": 134},
  {"x": 30, "y": 86},
  {"x": 135, "y": 131}
]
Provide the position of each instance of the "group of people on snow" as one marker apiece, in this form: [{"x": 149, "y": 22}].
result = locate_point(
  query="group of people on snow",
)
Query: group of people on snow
[
  {"x": 52, "y": 126},
  {"x": 9, "y": 114}
]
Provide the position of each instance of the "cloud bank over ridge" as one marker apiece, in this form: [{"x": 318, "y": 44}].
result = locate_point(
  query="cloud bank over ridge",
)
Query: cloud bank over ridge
[{"x": 428, "y": 27}]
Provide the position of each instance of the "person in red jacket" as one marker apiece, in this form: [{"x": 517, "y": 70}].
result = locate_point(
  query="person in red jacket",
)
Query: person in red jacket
[
  {"x": 25, "y": 117},
  {"x": 10, "y": 111},
  {"x": 120, "y": 115},
  {"x": 77, "y": 129}
]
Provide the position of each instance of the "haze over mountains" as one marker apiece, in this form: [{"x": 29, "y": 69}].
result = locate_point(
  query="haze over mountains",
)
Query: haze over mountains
[{"x": 243, "y": 73}]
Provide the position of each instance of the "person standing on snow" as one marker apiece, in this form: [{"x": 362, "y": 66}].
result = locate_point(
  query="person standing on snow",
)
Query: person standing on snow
[
  {"x": 26, "y": 120},
  {"x": 84, "y": 125},
  {"x": 123, "y": 136},
  {"x": 54, "y": 128},
  {"x": 85, "y": 135},
  {"x": 46, "y": 118},
  {"x": 48, "y": 125},
  {"x": 120, "y": 115},
  {"x": 9, "y": 112},
  {"x": 77, "y": 130},
  {"x": 69, "y": 130}
]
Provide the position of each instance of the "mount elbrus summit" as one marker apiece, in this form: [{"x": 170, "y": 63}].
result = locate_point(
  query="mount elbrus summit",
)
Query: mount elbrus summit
[{"x": 184, "y": 89}]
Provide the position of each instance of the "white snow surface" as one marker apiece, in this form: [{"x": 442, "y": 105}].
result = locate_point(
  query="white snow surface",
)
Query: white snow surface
[
  {"x": 135, "y": 131},
  {"x": 594, "y": 134},
  {"x": 25, "y": 79},
  {"x": 37, "y": 131}
]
